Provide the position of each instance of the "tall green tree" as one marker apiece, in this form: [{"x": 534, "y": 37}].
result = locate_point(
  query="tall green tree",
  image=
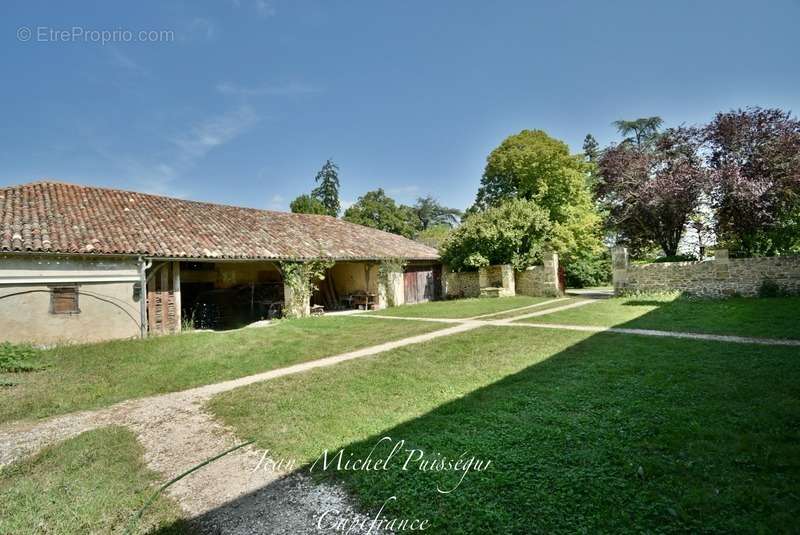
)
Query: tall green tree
[
  {"x": 377, "y": 210},
  {"x": 534, "y": 166},
  {"x": 327, "y": 190},
  {"x": 306, "y": 204},
  {"x": 642, "y": 131},
  {"x": 591, "y": 153},
  {"x": 431, "y": 213}
]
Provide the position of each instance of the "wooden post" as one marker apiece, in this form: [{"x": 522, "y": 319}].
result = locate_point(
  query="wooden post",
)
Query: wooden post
[
  {"x": 176, "y": 288},
  {"x": 151, "y": 304}
]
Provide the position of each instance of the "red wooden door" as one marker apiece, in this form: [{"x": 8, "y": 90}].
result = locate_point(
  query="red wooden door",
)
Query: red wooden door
[
  {"x": 410, "y": 286},
  {"x": 422, "y": 283}
]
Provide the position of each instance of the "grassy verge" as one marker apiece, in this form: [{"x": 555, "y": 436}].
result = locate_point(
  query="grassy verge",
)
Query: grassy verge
[
  {"x": 93, "y": 483},
  {"x": 95, "y": 375},
  {"x": 767, "y": 318},
  {"x": 461, "y": 308},
  {"x": 585, "y": 433}
]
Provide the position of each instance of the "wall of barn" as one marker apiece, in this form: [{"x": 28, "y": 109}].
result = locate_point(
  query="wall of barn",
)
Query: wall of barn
[
  {"x": 355, "y": 277},
  {"x": 107, "y": 302}
]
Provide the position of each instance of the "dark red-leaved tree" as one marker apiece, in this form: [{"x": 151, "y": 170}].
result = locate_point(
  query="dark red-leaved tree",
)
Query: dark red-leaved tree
[
  {"x": 754, "y": 156},
  {"x": 650, "y": 192}
]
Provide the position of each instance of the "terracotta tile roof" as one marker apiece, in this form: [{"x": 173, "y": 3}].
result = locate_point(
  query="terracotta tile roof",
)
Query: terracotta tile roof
[{"x": 56, "y": 217}]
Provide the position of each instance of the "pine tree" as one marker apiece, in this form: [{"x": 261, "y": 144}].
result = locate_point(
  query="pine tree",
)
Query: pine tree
[
  {"x": 327, "y": 190},
  {"x": 590, "y": 148}
]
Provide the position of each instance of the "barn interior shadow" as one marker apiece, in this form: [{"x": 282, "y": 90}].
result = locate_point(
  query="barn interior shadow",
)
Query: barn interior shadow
[{"x": 612, "y": 433}]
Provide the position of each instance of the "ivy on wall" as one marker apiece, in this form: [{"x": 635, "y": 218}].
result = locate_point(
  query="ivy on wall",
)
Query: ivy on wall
[
  {"x": 302, "y": 279},
  {"x": 385, "y": 270}
]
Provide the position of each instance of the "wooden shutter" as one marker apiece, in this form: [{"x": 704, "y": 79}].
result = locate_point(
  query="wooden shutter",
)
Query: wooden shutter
[
  {"x": 163, "y": 299},
  {"x": 64, "y": 300}
]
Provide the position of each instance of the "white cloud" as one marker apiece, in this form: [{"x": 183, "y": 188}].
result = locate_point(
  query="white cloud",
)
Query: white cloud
[
  {"x": 287, "y": 89},
  {"x": 199, "y": 28},
  {"x": 264, "y": 9},
  {"x": 180, "y": 154},
  {"x": 125, "y": 62},
  {"x": 277, "y": 202},
  {"x": 213, "y": 132}
]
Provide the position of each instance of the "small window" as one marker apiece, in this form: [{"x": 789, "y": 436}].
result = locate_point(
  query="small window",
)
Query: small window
[{"x": 64, "y": 300}]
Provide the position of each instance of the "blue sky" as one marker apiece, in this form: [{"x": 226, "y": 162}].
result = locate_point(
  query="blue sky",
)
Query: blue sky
[{"x": 249, "y": 97}]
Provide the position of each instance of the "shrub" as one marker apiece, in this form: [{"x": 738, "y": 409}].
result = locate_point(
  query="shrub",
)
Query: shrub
[
  {"x": 17, "y": 358},
  {"x": 588, "y": 271},
  {"x": 769, "y": 288}
]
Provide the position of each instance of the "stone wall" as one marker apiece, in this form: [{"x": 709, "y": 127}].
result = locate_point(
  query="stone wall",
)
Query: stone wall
[
  {"x": 537, "y": 281},
  {"x": 496, "y": 281},
  {"x": 720, "y": 277},
  {"x": 463, "y": 284},
  {"x": 540, "y": 281}
]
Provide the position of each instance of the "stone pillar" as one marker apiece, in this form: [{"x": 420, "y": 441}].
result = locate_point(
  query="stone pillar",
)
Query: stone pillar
[
  {"x": 550, "y": 277},
  {"x": 721, "y": 264},
  {"x": 391, "y": 292},
  {"x": 295, "y": 304},
  {"x": 509, "y": 283},
  {"x": 619, "y": 266}
]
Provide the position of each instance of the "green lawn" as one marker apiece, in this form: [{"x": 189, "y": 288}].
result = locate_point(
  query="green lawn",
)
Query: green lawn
[
  {"x": 586, "y": 433},
  {"x": 95, "y": 375},
  {"x": 546, "y": 306},
  {"x": 461, "y": 308},
  {"x": 93, "y": 483},
  {"x": 767, "y": 318}
]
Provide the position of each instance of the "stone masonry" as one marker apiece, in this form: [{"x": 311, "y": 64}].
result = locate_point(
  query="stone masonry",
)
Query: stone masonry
[
  {"x": 541, "y": 280},
  {"x": 496, "y": 281},
  {"x": 502, "y": 280},
  {"x": 720, "y": 277},
  {"x": 461, "y": 284}
]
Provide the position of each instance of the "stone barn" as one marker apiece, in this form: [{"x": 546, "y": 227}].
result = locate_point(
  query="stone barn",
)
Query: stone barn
[{"x": 80, "y": 264}]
